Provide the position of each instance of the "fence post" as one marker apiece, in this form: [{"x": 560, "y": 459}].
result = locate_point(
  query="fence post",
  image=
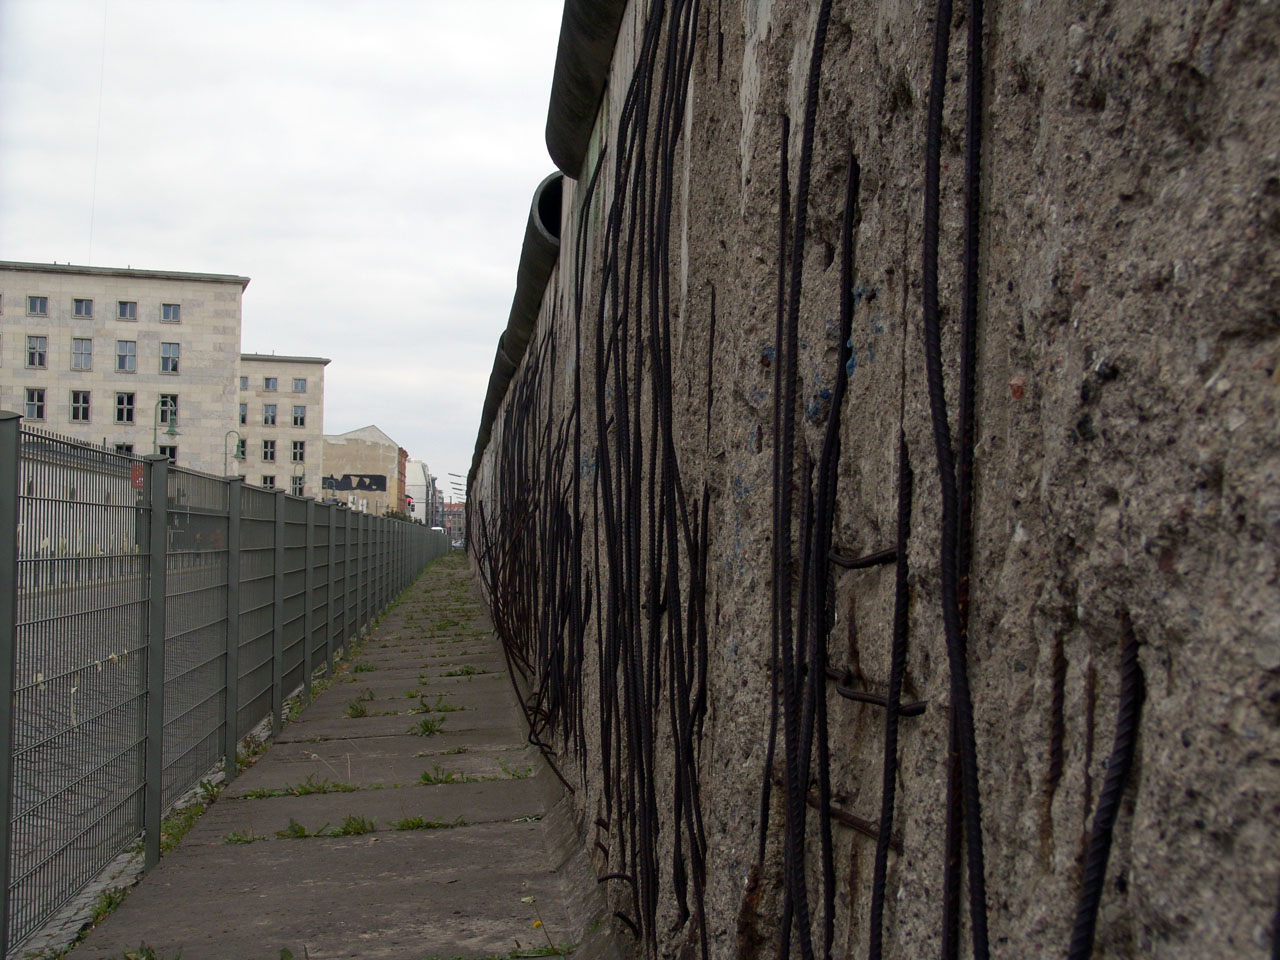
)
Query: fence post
[
  {"x": 231, "y": 714},
  {"x": 331, "y": 608},
  {"x": 277, "y": 618},
  {"x": 308, "y": 604},
  {"x": 156, "y": 493},
  {"x": 10, "y": 476}
]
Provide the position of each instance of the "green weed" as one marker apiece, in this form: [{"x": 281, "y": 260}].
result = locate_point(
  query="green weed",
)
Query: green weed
[
  {"x": 353, "y": 827},
  {"x": 427, "y": 726},
  {"x": 422, "y": 823}
]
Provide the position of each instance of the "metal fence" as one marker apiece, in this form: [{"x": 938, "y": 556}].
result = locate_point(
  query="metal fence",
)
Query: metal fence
[{"x": 150, "y": 618}]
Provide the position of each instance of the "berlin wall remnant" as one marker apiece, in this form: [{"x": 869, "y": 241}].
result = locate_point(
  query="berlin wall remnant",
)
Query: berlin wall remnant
[{"x": 885, "y": 511}]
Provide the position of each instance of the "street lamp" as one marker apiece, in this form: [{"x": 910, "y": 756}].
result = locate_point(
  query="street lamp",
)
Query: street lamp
[
  {"x": 171, "y": 433},
  {"x": 238, "y": 455}
]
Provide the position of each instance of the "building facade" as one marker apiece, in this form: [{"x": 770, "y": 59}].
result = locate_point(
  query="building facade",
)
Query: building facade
[
  {"x": 366, "y": 470},
  {"x": 278, "y": 439},
  {"x": 422, "y": 496},
  {"x": 455, "y": 520},
  {"x": 141, "y": 360}
]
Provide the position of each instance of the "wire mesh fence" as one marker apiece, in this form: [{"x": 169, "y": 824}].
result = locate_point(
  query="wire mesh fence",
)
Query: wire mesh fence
[{"x": 150, "y": 618}]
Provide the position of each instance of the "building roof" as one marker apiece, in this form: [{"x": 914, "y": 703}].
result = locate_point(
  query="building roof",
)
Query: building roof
[
  {"x": 370, "y": 433},
  {"x": 269, "y": 357},
  {"x": 123, "y": 272}
]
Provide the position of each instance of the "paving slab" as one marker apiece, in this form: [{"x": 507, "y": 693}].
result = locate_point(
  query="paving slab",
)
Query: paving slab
[{"x": 492, "y": 828}]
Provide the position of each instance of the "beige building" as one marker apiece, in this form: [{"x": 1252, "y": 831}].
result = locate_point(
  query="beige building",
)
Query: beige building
[
  {"x": 365, "y": 469},
  {"x": 280, "y": 422},
  {"x": 141, "y": 360}
]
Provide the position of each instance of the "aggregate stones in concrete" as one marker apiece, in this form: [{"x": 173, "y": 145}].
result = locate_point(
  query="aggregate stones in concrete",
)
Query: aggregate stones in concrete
[{"x": 457, "y": 828}]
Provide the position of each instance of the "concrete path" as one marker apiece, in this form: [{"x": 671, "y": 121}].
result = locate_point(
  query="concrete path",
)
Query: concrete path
[{"x": 401, "y": 816}]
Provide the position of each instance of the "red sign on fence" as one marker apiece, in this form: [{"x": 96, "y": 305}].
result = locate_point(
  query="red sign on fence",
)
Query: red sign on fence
[{"x": 135, "y": 475}]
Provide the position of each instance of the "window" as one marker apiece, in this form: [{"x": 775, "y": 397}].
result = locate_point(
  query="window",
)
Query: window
[
  {"x": 244, "y": 414},
  {"x": 82, "y": 308},
  {"x": 124, "y": 448},
  {"x": 81, "y": 353},
  {"x": 299, "y": 385},
  {"x": 299, "y": 451},
  {"x": 124, "y": 408},
  {"x": 268, "y": 414},
  {"x": 269, "y": 451},
  {"x": 268, "y": 383},
  {"x": 126, "y": 356},
  {"x": 296, "y": 485},
  {"x": 244, "y": 383},
  {"x": 168, "y": 408},
  {"x": 268, "y": 483},
  {"x": 299, "y": 416},
  {"x": 80, "y": 406},
  {"x": 37, "y": 351},
  {"x": 35, "y": 403},
  {"x": 169, "y": 353},
  {"x": 37, "y": 306},
  {"x": 169, "y": 451},
  {"x": 170, "y": 312},
  {"x": 126, "y": 309}
]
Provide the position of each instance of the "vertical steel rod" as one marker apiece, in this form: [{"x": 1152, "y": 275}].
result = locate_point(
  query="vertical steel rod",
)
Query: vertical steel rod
[
  {"x": 157, "y": 496},
  {"x": 231, "y": 715}
]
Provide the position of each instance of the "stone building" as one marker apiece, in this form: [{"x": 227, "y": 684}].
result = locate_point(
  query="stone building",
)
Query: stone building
[
  {"x": 365, "y": 469},
  {"x": 111, "y": 355},
  {"x": 280, "y": 422},
  {"x": 455, "y": 520}
]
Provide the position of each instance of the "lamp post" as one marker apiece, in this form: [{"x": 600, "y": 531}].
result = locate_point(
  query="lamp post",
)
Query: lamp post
[
  {"x": 238, "y": 455},
  {"x": 171, "y": 433}
]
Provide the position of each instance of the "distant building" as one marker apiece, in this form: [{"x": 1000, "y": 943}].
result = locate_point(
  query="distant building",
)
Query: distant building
[
  {"x": 366, "y": 470},
  {"x": 140, "y": 360},
  {"x": 280, "y": 420},
  {"x": 455, "y": 520},
  {"x": 421, "y": 493}
]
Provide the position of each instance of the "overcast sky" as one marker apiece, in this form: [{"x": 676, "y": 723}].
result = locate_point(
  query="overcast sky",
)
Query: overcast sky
[{"x": 368, "y": 164}]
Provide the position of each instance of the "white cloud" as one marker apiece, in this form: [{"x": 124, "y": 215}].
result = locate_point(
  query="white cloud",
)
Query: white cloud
[{"x": 368, "y": 165}]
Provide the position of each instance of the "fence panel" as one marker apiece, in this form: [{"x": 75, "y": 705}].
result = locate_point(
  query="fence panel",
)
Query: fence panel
[
  {"x": 195, "y": 629},
  {"x": 319, "y": 599},
  {"x": 295, "y": 551},
  {"x": 74, "y": 635},
  {"x": 257, "y": 602},
  {"x": 77, "y": 711}
]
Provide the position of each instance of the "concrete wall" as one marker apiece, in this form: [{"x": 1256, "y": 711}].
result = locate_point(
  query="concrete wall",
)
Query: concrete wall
[{"x": 653, "y": 535}]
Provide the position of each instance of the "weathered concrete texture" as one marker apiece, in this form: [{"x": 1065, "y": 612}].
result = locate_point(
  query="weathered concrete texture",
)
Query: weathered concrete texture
[
  {"x": 1127, "y": 463},
  {"x": 494, "y": 833}
]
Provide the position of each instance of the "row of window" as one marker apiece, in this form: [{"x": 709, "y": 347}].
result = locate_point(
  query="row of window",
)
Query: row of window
[
  {"x": 298, "y": 451},
  {"x": 82, "y": 354},
  {"x": 271, "y": 384},
  {"x": 82, "y": 406},
  {"x": 167, "y": 450},
  {"x": 83, "y": 309},
  {"x": 269, "y": 415},
  {"x": 296, "y": 484}
]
